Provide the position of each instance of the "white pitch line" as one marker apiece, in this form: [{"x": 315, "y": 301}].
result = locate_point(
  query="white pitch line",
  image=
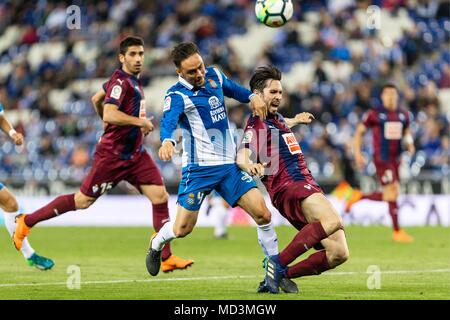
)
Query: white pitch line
[{"x": 212, "y": 278}]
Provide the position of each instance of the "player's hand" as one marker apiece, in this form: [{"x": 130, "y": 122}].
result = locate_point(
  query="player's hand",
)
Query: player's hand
[
  {"x": 304, "y": 117},
  {"x": 147, "y": 126},
  {"x": 259, "y": 107},
  {"x": 360, "y": 160},
  {"x": 411, "y": 149},
  {"x": 256, "y": 169},
  {"x": 166, "y": 151},
  {"x": 17, "y": 138}
]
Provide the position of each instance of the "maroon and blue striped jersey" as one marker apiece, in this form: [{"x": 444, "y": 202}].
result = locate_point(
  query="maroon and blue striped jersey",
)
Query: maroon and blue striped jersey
[
  {"x": 274, "y": 143},
  {"x": 388, "y": 128},
  {"x": 125, "y": 91}
]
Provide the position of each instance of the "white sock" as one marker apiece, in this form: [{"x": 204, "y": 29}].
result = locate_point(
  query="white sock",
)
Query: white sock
[
  {"x": 10, "y": 224},
  {"x": 165, "y": 234},
  {"x": 220, "y": 216},
  {"x": 268, "y": 240}
]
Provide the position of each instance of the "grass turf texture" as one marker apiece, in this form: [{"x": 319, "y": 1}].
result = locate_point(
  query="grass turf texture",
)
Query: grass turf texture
[{"x": 223, "y": 269}]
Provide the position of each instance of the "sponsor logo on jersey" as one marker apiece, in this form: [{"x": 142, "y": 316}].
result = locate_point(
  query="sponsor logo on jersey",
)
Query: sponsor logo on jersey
[
  {"x": 292, "y": 143},
  {"x": 214, "y": 102},
  {"x": 213, "y": 83},
  {"x": 393, "y": 130},
  {"x": 217, "y": 110},
  {"x": 167, "y": 104},
  {"x": 116, "y": 92}
]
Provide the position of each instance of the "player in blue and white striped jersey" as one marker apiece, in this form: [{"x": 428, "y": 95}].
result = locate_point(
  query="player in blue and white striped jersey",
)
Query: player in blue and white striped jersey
[{"x": 196, "y": 103}]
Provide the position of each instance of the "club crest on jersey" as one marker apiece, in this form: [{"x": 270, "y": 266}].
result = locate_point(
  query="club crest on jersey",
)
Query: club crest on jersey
[
  {"x": 167, "y": 102},
  {"x": 292, "y": 143},
  {"x": 248, "y": 137},
  {"x": 116, "y": 92},
  {"x": 212, "y": 83},
  {"x": 191, "y": 199},
  {"x": 95, "y": 189},
  {"x": 214, "y": 102}
]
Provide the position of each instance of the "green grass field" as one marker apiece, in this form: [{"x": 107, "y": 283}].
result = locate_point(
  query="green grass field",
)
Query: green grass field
[{"x": 112, "y": 264}]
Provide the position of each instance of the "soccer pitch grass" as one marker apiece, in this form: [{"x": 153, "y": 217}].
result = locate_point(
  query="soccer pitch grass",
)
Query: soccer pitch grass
[{"x": 112, "y": 264}]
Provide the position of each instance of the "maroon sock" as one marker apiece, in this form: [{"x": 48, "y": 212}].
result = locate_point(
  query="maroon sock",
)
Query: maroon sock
[
  {"x": 60, "y": 205},
  {"x": 313, "y": 265},
  {"x": 306, "y": 238},
  {"x": 161, "y": 216},
  {"x": 375, "y": 196},
  {"x": 393, "y": 211}
]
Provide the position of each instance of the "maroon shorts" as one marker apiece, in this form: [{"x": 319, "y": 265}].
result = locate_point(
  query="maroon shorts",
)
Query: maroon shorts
[
  {"x": 289, "y": 201},
  {"x": 387, "y": 172},
  {"x": 108, "y": 171}
]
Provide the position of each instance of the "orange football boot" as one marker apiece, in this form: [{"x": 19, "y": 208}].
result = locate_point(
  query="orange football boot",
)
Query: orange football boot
[
  {"x": 22, "y": 230},
  {"x": 354, "y": 197},
  {"x": 341, "y": 191},
  {"x": 174, "y": 263},
  {"x": 402, "y": 236}
]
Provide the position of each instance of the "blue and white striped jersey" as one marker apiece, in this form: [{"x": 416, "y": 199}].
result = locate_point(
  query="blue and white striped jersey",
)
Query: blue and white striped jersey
[{"x": 202, "y": 116}]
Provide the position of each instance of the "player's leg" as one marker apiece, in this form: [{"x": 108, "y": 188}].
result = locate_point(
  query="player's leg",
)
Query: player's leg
[
  {"x": 391, "y": 192},
  {"x": 103, "y": 175},
  {"x": 335, "y": 253},
  {"x": 219, "y": 213},
  {"x": 158, "y": 196},
  {"x": 59, "y": 206},
  {"x": 183, "y": 225},
  {"x": 10, "y": 208},
  {"x": 323, "y": 220}
]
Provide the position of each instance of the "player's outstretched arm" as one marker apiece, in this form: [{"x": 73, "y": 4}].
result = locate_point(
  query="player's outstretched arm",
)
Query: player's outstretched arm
[
  {"x": 409, "y": 141},
  {"x": 304, "y": 117},
  {"x": 112, "y": 115},
  {"x": 357, "y": 141},
  {"x": 97, "y": 100},
  {"x": 9, "y": 130}
]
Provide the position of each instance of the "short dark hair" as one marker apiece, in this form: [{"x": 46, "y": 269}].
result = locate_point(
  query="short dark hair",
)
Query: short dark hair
[
  {"x": 183, "y": 51},
  {"x": 261, "y": 75},
  {"x": 128, "y": 42},
  {"x": 389, "y": 85}
]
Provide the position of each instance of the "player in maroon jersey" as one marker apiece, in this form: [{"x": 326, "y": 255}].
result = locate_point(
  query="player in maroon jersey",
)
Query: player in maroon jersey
[
  {"x": 119, "y": 154},
  {"x": 389, "y": 125},
  {"x": 270, "y": 150}
]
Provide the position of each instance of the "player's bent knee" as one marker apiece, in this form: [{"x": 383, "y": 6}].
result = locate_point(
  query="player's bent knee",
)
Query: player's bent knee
[
  {"x": 339, "y": 255},
  {"x": 182, "y": 231},
  {"x": 11, "y": 205},
  {"x": 82, "y": 201},
  {"x": 264, "y": 217}
]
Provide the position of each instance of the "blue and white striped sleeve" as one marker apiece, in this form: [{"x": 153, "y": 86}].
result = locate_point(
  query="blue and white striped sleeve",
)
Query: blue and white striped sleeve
[
  {"x": 233, "y": 90},
  {"x": 173, "y": 108},
  {"x": 1, "y": 109}
]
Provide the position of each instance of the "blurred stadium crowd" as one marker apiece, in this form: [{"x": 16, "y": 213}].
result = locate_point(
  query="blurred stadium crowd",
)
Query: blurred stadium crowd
[{"x": 333, "y": 66}]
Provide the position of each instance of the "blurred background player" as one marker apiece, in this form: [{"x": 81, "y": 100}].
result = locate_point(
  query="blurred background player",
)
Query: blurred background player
[
  {"x": 390, "y": 126},
  {"x": 218, "y": 210},
  {"x": 279, "y": 161},
  {"x": 197, "y": 102},
  {"x": 9, "y": 205},
  {"x": 119, "y": 155}
]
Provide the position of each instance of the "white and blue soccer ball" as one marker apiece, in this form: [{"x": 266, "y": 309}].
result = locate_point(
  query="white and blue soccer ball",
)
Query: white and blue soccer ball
[{"x": 274, "y": 13}]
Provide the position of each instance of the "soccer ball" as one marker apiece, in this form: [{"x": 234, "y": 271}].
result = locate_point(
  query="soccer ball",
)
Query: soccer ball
[{"x": 274, "y": 13}]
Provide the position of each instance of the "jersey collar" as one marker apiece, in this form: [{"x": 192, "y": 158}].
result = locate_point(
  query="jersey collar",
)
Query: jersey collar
[{"x": 185, "y": 83}]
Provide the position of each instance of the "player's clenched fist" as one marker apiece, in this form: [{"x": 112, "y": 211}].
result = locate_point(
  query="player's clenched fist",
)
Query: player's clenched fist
[
  {"x": 147, "y": 126},
  {"x": 166, "y": 151},
  {"x": 259, "y": 107},
  {"x": 256, "y": 169},
  {"x": 304, "y": 117},
  {"x": 17, "y": 138}
]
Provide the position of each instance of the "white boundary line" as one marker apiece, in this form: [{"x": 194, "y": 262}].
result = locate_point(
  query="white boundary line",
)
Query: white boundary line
[{"x": 5, "y": 285}]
